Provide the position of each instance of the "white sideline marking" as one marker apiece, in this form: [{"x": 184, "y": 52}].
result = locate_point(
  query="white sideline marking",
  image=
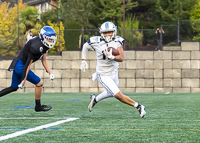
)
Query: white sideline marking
[
  {"x": 34, "y": 118},
  {"x": 19, "y": 133}
]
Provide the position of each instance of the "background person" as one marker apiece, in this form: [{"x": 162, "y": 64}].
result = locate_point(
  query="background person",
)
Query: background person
[
  {"x": 33, "y": 50},
  {"x": 29, "y": 36},
  {"x": 107, "y": 66},
  {"x": 158, "y": 32}
]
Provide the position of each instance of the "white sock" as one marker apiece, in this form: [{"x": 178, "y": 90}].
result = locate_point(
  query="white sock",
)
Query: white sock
[
  {"x": 136, "y": 104},
  {"x": 103, "y": 95}
]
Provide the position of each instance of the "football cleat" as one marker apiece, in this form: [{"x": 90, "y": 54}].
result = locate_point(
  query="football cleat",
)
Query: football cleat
[
  {"x": 43, "y": 108},
  {"x": 92, "y": 102},
  {"x": 141, "y": 109}
]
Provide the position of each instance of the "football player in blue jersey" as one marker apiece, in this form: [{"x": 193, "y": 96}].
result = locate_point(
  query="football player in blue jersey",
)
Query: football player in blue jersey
[
  {"x": 107, "y": 66},
  {"x": 33, "y": 50}
]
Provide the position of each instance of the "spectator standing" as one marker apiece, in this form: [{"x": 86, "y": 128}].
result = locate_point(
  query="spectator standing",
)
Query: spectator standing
[{"x": 158, "y": 32}]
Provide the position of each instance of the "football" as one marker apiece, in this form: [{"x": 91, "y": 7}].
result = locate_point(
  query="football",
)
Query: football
[{"x": 114, "y": 51}]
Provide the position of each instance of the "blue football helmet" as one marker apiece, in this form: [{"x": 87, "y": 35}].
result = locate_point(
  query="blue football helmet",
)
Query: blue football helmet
[
  {"x": 48, "y": 36},
  {"x": 108, "y": 27}
]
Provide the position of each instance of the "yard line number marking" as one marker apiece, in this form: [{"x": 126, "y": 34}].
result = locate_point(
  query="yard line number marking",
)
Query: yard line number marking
[{"x": 19, "y": 133}]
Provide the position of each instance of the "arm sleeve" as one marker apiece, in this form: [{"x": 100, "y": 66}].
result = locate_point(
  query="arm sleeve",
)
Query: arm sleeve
[
  {"x": 30, "y": 57},
  {"x": 85, "y": 49}
]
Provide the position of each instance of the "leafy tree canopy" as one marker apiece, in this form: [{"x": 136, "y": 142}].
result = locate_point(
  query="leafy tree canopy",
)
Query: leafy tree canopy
[
  {"x": 9, "y": 28},
  {"x": 76, "y": 12},
  {"x": 111, "y": 10}
]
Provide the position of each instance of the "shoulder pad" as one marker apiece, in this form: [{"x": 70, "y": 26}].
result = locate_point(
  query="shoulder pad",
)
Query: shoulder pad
[
  {"x": 34, "y": 37},
  {"x": 35, "y": 50},
  {"x": 95, "y": 39},
  {"x": 36, "y": 46},
  {"x": 120, "y": 40}
]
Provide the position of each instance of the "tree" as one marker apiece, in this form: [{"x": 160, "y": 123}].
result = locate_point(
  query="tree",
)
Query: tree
[
  {"x": 76, "y": 13},
  {"x": 29, "y": 19},
  {"x": 52, "y": 15},
  {"x": 195, "y": 21},
  {"x": 153, "y": 13},
  {"x": 133, "y": 35},
  {"x": 8, "y": 27},
  {"x": 111, "y": 10},
  {"x": 172, "y": 10}
]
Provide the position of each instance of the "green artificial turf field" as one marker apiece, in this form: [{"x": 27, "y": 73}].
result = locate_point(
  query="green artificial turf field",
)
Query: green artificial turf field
[{"x": 169, "y": 118}]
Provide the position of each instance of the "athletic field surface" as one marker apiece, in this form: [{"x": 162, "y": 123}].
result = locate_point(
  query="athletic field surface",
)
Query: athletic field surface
[{"x": 170, "y": 118}]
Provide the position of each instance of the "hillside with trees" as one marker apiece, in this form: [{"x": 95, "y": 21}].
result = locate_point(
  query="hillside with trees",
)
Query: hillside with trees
[{"x": 75, "y": 21}]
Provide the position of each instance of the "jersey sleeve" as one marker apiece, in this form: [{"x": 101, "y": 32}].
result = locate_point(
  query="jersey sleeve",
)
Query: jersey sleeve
[
  {"x": 85, "y": 49},
  {"x": 87, "y": 46},
  {"x": 120, "y": 41}
]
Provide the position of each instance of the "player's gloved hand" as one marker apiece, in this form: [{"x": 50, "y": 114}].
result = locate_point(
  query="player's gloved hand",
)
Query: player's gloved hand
[
  {"x": 21, "y": 85},
  {"x": 51, "y": 75},
  {"x": 83, "y": 66},
  {"x": 109, "y": 54}
]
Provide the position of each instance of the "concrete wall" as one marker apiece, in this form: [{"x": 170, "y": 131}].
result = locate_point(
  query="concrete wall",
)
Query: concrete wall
[{"x": 175, "y": 69}]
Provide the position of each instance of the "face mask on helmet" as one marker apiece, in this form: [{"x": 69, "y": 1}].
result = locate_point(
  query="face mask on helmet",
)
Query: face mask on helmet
[
  {"x": 48, "y": 36},
  {"x": 108, "y": 27}
]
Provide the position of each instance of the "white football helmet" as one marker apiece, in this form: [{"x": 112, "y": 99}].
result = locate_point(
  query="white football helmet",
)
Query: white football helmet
[
  {"x": 48, "y": 36},
  {"x": 107, "y": 27}
]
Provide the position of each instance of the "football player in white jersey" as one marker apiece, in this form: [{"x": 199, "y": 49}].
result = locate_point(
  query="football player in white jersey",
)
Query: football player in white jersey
[{"x": 107, "y": 66}]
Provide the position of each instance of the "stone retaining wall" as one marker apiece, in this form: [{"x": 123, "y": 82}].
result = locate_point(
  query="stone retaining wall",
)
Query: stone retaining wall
[{"x": 175, "y": 69}]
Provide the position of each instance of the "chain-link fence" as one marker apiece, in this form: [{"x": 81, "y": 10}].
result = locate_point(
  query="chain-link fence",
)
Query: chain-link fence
[
  {"x": 139, "y": 40},
  {"x": 142, "y": 39},
  {"x": 170, "y": 35}
]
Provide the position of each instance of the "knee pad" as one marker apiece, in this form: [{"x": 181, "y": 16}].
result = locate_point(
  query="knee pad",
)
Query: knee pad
[{"x": 39, "y": 85}]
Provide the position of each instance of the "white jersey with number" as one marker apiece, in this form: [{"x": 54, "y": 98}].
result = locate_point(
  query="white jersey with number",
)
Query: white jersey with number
[{"x": 104, "y": 65}]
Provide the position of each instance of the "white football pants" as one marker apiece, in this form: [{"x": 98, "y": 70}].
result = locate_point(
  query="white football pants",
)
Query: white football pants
[{"x": 110, "y": 83}]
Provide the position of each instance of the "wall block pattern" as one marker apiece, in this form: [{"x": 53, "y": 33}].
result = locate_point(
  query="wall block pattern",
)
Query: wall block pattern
[{"x": 175, "y": 69}]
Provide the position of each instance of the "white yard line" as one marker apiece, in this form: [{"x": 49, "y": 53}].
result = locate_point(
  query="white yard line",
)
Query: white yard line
[
  {"x": 34, "y": 118},
  {"x": 19, "y": 133}
]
